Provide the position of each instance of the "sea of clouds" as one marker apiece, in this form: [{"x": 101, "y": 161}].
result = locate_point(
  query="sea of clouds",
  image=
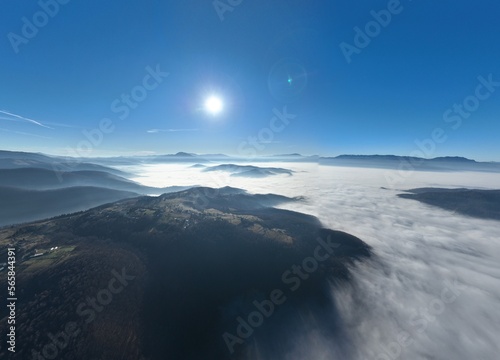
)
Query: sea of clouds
[{"x": 432, "y": 290}]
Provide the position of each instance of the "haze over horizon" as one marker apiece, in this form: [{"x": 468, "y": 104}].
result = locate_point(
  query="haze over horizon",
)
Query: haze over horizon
[{"x": 71, "y": 153}]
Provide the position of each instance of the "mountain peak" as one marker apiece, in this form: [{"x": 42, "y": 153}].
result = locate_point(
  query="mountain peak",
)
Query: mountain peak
[{"x": 453, "y": 158}]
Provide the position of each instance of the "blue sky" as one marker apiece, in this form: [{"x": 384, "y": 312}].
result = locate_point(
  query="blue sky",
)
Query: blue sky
[{"x": 259, "y": 57}]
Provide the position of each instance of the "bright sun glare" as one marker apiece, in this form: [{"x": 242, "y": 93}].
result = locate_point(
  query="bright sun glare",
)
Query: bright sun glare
[{"x": 213, "y": 105}]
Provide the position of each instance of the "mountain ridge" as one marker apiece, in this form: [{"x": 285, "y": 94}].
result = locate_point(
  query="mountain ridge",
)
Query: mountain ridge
[{"x": 193, "y": 262}]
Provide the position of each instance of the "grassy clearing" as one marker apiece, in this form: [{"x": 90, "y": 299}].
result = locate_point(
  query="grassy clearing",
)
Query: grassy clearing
[{"x": 48, "y": 259}]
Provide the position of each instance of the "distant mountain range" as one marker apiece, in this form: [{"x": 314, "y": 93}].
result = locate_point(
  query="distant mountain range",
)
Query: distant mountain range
[
  {"x": 447, "y": 163},
  {"x": 16, "y": 160},
  {"x": 398, "y": 158},
  {"x": 21, "y": 205},
  {"x": 36, "y": 186},
  {"x": 21, "y": 159},
  {"x": 43, "y": 179}
]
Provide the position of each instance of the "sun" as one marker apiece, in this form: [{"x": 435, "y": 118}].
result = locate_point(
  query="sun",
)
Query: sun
[{"x": 213, "y": 105}]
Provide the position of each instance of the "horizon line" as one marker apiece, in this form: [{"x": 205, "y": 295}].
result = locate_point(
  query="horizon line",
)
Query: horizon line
[{"x": 263, "y": 156}]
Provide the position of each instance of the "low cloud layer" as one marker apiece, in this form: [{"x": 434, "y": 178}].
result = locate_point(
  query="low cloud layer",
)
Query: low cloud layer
[{"x": 432, "y": 289}]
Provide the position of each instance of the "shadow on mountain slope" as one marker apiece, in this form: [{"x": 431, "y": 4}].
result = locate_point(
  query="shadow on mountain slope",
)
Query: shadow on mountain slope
[{"x": 196, "y": 261}]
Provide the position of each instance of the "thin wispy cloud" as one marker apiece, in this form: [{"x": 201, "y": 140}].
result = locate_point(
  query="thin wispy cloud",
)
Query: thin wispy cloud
[
  {"x": 69, "y": 126},
  {"x": 22, "y": 118},
  {"x": 24, "y": 133},
  {"x": 9, "y": 119},
  {"x": 154, "y": 131}
]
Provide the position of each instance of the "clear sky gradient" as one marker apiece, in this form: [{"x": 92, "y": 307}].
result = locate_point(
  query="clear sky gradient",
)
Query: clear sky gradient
[{"x": 61, "y": 74}]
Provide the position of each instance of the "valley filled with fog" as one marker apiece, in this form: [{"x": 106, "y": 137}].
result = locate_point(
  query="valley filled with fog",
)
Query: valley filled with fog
[{"x": 430, "y": 290}]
